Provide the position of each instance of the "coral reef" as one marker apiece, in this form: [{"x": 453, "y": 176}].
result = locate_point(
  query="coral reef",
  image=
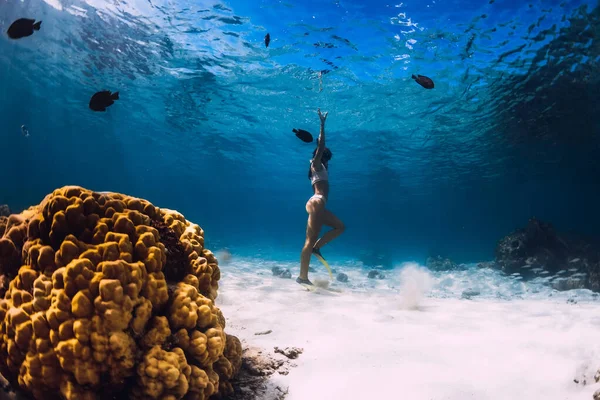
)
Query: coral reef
[
  {"x": 539, "y": 251},
  {"x": 439, "y": 263},
  {"x": 281, "y": 272},
  {"x": 375, "y": 274},
  {"x": 254, "y": 381},
  {"x": 107, "y": 296},
  {"x": 469, "y": 293},
  {"x": 291, "y": 353},
  {"x": 487, "y": 264}
]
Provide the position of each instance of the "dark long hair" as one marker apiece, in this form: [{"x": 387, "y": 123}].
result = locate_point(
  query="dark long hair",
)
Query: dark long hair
[{"x": 324, "y": 158}]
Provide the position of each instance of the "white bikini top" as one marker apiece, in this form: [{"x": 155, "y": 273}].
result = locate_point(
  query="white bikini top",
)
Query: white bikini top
[{"x": 318, "y": 176}]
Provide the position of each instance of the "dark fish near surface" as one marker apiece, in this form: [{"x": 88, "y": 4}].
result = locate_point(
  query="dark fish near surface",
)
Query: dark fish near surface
[
  {"x": 303, "y": 135},
  {"x": 103, "y": 99},
  {"x": 424, "y": 81},
  {"x": 23, "y": 27},
  {"x": 267, "y": 40}
]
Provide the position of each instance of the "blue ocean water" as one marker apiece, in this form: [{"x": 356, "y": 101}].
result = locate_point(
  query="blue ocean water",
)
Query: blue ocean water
[{"x": 206, "y": 111}]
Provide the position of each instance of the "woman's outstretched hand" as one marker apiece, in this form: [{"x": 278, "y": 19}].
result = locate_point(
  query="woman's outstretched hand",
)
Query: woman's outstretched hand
[{"x": 323, "y": 117}]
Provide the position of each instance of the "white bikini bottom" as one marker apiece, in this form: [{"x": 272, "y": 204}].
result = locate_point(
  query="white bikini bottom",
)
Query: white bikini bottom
[{"x": 318, "y": 196}]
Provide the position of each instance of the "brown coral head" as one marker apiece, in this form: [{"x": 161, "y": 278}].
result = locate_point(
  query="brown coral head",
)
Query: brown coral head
[
  {"x": 4, "y": 282},
  {"x": 105, "y": 296},
  {"x": 10, "y": 259},
  {"x": 177, "y": 265}
]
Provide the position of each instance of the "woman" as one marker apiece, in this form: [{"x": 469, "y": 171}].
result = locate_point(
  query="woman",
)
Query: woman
[{"x": 318, "y": 215}]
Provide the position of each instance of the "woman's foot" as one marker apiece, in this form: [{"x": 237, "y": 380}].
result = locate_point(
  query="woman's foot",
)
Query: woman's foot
[
  {"x": 317, "y": 252},
  {"x": 304, "y": 281}
]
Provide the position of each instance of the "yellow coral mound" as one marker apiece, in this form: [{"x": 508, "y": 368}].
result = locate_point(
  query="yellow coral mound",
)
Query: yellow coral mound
[{"x": 106, "y": 294}]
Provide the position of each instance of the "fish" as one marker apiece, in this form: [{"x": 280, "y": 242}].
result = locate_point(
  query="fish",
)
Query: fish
[
  {"x": 424, "y": 81},
  {"x": 267, "y": 40},
  {"x": 23, "y": 27},
  {"x": 303, "y": 135},
  {"x": 24, "y": 131},
  {"x": 101, "y": 100}
]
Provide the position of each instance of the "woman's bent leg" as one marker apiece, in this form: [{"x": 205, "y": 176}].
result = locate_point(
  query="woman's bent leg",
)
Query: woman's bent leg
[{"x": 331, "y": 220}]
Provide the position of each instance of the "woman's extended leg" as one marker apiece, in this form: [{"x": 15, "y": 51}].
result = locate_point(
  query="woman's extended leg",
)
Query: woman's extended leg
[
  {"x": 313, "y": 227},
  {"x": 334, "y": 222}
]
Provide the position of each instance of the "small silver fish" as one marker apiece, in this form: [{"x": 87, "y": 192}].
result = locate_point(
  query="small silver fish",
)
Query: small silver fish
[{"x": 24, "y": 131}]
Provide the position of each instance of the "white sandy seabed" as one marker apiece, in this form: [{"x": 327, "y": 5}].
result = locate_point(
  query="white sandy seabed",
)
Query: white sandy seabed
[{"x": 404, "y": 338}]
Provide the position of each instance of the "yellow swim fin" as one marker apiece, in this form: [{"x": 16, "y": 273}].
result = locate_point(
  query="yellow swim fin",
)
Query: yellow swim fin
[{"x": 319, "y": 256}]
